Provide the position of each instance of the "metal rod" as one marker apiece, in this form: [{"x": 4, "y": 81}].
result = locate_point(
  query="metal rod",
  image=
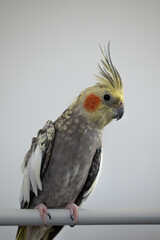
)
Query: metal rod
[{"x": 30, "y": 217}]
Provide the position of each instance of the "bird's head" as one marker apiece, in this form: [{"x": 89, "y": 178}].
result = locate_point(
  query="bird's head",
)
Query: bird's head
[{"x": 104, "y": 102}]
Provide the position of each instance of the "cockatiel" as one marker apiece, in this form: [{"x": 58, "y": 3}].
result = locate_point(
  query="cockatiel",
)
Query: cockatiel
[{"x": 62, "y": 165}]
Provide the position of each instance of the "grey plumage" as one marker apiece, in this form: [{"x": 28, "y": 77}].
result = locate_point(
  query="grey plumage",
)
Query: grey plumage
[
  {"x": 68, "y": 154},
  {"x": 64, "y": 160}
]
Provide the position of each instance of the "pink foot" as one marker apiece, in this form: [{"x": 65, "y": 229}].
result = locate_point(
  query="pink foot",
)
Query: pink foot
[
  {"x": 42, "y": 211},
  {"x": 73, "y": 211}
]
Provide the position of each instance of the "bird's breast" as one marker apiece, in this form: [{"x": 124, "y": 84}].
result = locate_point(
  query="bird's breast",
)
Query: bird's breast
[{"x": 69, "y": 166}]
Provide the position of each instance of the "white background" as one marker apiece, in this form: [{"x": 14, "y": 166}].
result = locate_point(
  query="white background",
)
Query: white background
[{"x": 48, "y": 53}]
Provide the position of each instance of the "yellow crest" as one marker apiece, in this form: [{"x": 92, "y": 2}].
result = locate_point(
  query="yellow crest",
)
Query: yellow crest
[{"x": 109, "y": 74}]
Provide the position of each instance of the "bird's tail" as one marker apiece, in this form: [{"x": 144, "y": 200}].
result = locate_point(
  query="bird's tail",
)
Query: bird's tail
[
  {"x": 43, "y": 233},
  {"x": 21, "y": 233}
]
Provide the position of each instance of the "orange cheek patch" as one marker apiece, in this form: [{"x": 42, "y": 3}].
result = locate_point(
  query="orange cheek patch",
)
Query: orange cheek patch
[{"x": 91, "y": 102}]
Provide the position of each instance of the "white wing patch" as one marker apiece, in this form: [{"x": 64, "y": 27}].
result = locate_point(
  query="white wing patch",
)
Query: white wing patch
[
  {"x": 31, "y": 179},
  {"x": 25, "y": 189}
]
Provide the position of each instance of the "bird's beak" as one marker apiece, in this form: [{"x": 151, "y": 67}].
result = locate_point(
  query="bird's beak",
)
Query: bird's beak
[{"x": 119, "y": 113}]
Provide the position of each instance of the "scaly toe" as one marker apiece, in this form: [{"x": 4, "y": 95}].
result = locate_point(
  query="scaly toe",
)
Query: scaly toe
[
  {"x": 42, "y": 211},
  {"x": 73, "y": 213}
]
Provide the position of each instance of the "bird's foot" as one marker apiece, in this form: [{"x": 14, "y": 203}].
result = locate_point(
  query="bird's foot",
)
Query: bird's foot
[
  {"x": 42, "y": 211},
  {"x": 73, "y": 208}
]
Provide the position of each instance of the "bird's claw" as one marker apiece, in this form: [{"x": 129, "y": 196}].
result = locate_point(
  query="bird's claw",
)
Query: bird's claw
[
  {"x": 42, "y": 211},
  {"x": 73, "y": 208}
]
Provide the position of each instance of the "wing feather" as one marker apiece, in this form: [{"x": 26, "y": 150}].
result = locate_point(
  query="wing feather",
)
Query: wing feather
[
  {"x": 34, "y": 169},
  {"x": 92, "y": 177},
  {"x": 36, "y": 161}
]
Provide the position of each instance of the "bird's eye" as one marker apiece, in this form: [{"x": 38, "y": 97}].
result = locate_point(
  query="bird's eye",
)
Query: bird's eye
[{"x": 107, "y": 97}]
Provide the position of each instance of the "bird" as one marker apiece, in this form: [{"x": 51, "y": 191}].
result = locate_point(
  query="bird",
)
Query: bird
[{"x": 63, "y": 163}]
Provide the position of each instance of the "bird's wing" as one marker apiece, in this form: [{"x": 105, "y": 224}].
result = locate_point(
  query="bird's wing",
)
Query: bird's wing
[
  {"x": 35, "y": 163},
  {"x": 92, "y": 177}
]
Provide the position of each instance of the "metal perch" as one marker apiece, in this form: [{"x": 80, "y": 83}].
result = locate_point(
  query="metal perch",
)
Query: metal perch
[{"x": 30, "y": 217}]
